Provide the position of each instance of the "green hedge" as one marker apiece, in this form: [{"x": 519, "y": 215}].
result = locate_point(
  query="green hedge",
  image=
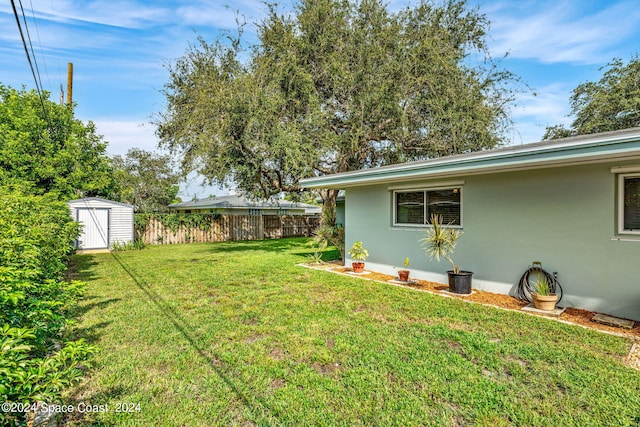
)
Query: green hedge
[{"x": 36, "y": 239}]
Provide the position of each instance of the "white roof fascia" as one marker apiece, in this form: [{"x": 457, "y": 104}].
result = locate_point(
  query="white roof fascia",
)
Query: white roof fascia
[{"x": 576, "y": 150}]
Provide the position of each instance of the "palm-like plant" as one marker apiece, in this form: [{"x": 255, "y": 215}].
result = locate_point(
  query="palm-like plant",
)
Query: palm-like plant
[
  {"x": 328, "y": 234},
  {"x": 441, "y": 241}
]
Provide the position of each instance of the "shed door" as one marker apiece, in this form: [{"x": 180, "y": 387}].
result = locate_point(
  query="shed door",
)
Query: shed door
[{"x": 95, "y": 228}]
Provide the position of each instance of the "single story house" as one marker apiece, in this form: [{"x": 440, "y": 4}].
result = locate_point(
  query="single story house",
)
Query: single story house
[
  {"x": 572, "y": 204},
  {"x": 240, "y": 205},
  {"x": 104, "y": 222}
]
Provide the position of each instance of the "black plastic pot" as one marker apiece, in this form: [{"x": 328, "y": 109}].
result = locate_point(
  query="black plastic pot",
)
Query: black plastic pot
[{"x": 460, "y": 283}]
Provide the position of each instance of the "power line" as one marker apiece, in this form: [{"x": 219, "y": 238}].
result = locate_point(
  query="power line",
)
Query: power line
[
  {"x": 33, "y": 53},
  {"x": 26, "y": 50},
  {"x": 44, "y": 60}
]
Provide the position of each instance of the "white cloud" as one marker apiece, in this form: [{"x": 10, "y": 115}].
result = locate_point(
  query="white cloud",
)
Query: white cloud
[
  {"x": 117, "y": 13},
  {"x": 550, "y": 101},
  {"x": 559, "y": 32},
  {"x": 221, "y": 15},
  {"x": 125, "y": 134},
  {"x": 549, "y": 107}
]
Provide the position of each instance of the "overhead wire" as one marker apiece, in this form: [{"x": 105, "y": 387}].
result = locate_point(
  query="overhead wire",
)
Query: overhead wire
[
  {"x": 33, "y": 53},
  {"x": 44, "y": 61},
  {"x": 29, "y": 59}
]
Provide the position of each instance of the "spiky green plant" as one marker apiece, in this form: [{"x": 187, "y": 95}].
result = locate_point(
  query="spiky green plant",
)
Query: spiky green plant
[
  {"x": 316, "y": 256},
  {"x": 440, "y": 241},
  {"x": 542, "y": 286},
  {"x": 326, "y": 235}
]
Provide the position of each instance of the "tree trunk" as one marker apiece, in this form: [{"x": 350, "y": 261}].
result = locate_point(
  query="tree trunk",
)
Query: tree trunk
[{"x": 329, "y": 198}]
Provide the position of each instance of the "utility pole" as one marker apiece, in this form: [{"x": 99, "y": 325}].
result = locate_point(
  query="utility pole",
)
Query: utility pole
[
  {"x": 70, "y": 84},
  {"x": 61, "y": 94}
]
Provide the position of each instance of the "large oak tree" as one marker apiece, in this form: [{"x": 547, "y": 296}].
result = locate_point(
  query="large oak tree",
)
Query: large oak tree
[
  {"x": 335, "y": 86},
  {"x": 611, "y": 103}
]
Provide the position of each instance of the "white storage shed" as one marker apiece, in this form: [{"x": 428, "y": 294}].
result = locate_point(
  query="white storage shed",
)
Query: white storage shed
[{"x": 104, "y": 222}]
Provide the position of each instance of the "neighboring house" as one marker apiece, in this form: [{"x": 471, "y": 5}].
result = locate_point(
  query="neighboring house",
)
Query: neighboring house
[
  {"x": 104, "y": 222},
  {"x": 239, "y": 205},
  {"x": 573, "y": 204}
]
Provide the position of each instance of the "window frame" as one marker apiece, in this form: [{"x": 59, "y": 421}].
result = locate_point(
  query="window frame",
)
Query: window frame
[
  {"x": 424, "y": 190},
  {"x": 620, "y": 202}
]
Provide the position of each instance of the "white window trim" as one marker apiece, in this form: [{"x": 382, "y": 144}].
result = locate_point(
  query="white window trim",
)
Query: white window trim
[
  {"x": 424, "y": 214},
  {"x": 421, "y": 186},
  {"x": 625, "y": 169},
  {"x": 621, "y": 177}
]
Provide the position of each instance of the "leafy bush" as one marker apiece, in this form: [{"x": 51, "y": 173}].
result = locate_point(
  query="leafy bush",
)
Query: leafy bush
[
  {"x": 43, "y": 146},
  {"x": 36, "y": 234},
  {"x": 36, "y": 238},
  {"x": 24, "y": 378}
]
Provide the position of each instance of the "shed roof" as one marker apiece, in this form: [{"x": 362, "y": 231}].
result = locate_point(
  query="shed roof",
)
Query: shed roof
[
  {"x": 595, "y": 148},
  {"x": 240, "y": 202},
  {"x": 98, "y": 199}
]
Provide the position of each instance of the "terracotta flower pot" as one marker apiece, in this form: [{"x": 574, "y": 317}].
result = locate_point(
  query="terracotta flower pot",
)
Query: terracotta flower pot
[
  {"x": 358, "y": 267},
  {"x": 403, "y": 275},
  {"x": 544, "y": 302}
]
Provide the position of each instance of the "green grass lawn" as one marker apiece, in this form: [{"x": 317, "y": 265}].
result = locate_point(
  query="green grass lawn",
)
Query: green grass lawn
[{"x": 236, "y": 334}]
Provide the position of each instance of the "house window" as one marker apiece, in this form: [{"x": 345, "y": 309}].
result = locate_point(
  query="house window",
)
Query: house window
[
  {"x": 629, "y": 204},
  {"x": 255, "y": 212},
  {"x": 415, "y": 207}
]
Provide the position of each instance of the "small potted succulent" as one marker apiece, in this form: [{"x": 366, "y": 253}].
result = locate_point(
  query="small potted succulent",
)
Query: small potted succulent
[
  {"x": 439, "y": 243},
  {"x": 403, "y": 275},
  {"x": 358, "y": 254},
  {"x": 543, "y": 296}
]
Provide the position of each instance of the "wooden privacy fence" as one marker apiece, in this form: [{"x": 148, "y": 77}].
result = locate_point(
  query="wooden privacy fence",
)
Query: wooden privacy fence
[{"x": 230, "y": 227}]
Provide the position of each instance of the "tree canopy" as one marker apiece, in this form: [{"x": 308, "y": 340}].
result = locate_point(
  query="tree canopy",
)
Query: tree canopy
[
  {"x": 44, "y": 148},
  {"x": 611, "y": 103},
  {"x": 145, "y": 180},
  {"x": 333, "y": 87}
]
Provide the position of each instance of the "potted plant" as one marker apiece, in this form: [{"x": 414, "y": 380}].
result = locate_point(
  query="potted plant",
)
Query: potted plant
[
  {"x": 358, "y": 255},
  {"x": 404, "y": 274},
  {"x": 543, "y": 296},
  {"x": 439, "y": 243}
]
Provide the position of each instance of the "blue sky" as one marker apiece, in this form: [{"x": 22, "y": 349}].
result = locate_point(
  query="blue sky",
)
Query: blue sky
[{"x": 119, "y": 49}]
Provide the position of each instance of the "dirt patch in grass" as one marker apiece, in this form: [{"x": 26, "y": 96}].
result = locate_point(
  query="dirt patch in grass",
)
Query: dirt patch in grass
[
  {"x": 454, "y": 346},
  {"x": 277, "y": 354},
  {"x": 254, "y": 338},
  {"x": 278, "y": 383},
  {"x": 328, "y": 369},
  {"x": 572, "y": 315}
]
